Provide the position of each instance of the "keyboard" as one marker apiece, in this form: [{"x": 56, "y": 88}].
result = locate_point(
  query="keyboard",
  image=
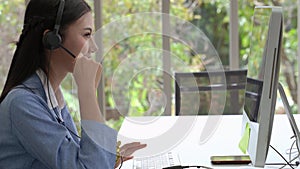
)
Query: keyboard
[{"x": 156, "y": 162}]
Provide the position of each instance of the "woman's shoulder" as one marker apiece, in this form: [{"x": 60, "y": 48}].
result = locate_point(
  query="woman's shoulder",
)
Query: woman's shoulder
[
  {"x": 28, "y": 92},
  {"x": 22, "y": 96},
  {"x": 21, "y": 103}
]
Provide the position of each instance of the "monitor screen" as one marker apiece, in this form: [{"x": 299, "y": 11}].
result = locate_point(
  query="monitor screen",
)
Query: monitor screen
[
  {"x": 252, "y": 98},
  {"x": 263, "y": 71}
]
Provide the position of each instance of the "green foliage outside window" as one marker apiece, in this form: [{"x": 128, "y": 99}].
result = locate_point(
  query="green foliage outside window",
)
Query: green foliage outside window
[{"x": 212, "y": 17}]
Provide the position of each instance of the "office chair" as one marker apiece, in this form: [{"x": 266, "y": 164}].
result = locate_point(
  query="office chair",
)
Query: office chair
[{"x": 203, "y": 93}]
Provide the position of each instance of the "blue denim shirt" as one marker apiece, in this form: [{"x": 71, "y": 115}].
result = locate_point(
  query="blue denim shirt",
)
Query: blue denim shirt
[{"x": 32, "y": 138}]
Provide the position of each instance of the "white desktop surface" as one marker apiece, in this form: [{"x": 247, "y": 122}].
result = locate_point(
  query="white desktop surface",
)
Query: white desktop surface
[{"x": 181, "y": 134}]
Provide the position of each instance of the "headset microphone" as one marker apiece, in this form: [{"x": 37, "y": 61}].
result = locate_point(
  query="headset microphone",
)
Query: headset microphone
[{"x": 68, "y": 51}]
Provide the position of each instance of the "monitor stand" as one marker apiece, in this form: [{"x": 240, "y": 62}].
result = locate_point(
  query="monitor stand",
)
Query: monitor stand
[{"x": 289, "y": 113}]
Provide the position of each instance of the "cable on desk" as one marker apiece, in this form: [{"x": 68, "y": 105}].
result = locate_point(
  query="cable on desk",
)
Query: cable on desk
[
  {"x": 287, "y": 163},
  {"x": 290, "y": 153},
  {"x": 297, "y": 162},
  {"x": 293, "y": 152},
  {"x": 283, "y": 164},
  {"x": 121, "y": 157}
]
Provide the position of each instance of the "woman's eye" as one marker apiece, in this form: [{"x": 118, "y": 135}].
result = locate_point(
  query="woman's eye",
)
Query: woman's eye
[{"x": 87, "y": 35}]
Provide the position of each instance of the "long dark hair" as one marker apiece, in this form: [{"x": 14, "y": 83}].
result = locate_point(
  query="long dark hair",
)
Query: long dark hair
[{"x": 30, "y": 54}]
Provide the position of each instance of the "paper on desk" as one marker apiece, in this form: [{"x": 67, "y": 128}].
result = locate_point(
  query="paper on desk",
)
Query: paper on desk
[{"x": 244, "y": 142}]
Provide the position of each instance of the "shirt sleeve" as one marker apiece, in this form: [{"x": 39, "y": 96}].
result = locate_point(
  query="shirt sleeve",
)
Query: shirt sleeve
[
  {"x": 51, "y": 143},
  {"x": 94, "y": 132}
]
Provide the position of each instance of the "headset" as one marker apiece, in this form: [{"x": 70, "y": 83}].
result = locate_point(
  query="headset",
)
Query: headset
[{"x": 52, "y": 40}]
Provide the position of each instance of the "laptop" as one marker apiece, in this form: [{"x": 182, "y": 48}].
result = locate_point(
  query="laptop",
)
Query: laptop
[{"x": 159, "y": 161}]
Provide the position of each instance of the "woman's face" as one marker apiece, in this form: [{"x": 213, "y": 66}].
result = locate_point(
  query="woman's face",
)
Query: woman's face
[{"x": 78, "y": 39}]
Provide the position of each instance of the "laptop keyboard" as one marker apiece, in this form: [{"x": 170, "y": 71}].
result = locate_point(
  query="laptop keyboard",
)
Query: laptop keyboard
[{"x": 156, "y": 162}]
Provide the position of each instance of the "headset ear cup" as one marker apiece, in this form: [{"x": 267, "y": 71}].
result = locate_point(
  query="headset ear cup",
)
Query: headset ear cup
[{"x": 51, "y": 40}]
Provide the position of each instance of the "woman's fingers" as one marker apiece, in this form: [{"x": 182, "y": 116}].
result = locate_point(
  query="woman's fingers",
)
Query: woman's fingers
[
  {"x": 87, "y": 72},
  {"x": 127, "y": 158},
  {"x": 128, "y": 149}
]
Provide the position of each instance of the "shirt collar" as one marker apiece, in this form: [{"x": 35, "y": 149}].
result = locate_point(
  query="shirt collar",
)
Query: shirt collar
[{"x": 52, "y": 96}]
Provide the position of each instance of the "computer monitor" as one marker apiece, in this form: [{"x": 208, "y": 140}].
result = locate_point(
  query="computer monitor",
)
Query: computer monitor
[{"x": 264, "y": 59}]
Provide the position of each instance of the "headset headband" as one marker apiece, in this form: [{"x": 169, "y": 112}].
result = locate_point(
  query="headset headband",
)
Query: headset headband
[{"x": 59, "y": 16}]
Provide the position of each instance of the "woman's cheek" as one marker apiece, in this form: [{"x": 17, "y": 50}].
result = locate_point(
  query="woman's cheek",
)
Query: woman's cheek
[{"x": 85, "y": 48}]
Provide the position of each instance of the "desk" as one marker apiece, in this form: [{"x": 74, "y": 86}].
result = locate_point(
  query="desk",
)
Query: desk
[{"x": 219, "y": 135}]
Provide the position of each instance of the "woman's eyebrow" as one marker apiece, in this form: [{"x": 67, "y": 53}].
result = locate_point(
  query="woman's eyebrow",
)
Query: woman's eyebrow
[{"x": 89, "y": 29}]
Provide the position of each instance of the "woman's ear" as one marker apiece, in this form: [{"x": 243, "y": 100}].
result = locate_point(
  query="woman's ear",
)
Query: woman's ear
[
  {"x": 44, "y": 39},
  {"x": 45, "y": 32},
  {"x": 51, "y": 40}
]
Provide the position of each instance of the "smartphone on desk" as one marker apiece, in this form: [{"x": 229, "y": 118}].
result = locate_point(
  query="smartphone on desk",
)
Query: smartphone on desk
[{"x": 230, "y": 159}]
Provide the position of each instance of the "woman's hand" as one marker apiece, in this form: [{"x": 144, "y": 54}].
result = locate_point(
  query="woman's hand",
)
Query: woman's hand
[
  {"x": 87, "y": 75},
  {"x": 127, "y": 150},
  {"x": 87, "y": 72}
]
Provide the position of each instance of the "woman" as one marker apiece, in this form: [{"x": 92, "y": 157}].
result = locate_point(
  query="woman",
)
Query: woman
[{"x": 37, "y": 130}]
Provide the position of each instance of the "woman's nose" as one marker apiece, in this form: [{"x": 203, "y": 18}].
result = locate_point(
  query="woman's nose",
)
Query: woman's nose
[{"x": 92, "y": 45}]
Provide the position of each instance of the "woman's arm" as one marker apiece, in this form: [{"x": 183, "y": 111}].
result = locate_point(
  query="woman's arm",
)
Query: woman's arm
[
  {"x": 50, "y": 143},
  {"x": 87, "y": 74}
]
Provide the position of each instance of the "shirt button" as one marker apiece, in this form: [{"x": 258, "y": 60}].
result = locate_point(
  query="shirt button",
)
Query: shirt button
[{"x": 68, "y": 137}]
